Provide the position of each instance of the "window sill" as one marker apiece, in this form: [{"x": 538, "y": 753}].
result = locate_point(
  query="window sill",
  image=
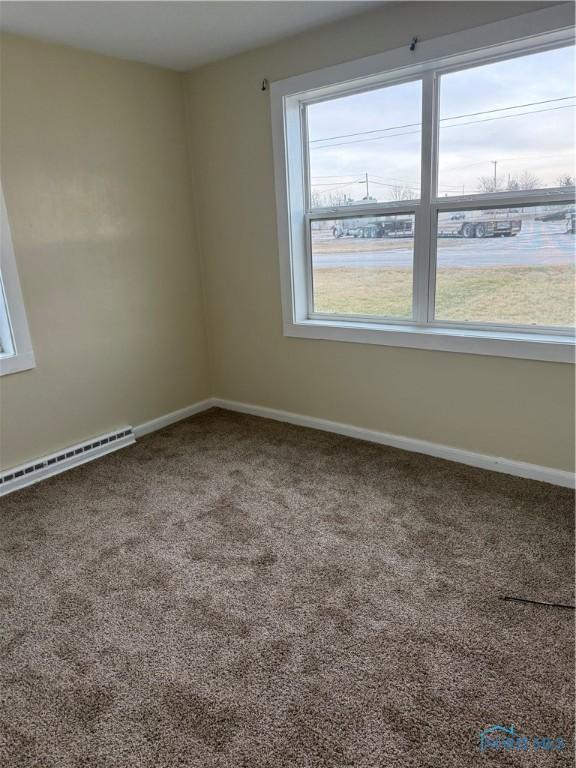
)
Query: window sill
[
  {"x": 16, "y": 363},
  {"x": 557, "y": 349}
]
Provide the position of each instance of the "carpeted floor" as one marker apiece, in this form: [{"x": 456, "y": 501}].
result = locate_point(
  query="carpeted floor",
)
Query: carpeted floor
[{"x": 233, "y": 592}]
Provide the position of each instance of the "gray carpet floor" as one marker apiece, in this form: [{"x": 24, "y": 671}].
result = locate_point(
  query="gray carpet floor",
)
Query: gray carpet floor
[{"x": 234, "y": 592}]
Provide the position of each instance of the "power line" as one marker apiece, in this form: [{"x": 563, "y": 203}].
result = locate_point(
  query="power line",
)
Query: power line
[
  {"x": 459, "y": 125},
  {"x": 505, "y": 159},
  {"x": 392, "y": 186},
  {"x": 393, "y": 178},
  {"x": 515, "y": 106},
  {"x": 342, "y": 184},
  {"x": 361, "y": 133},
  {"x": 455, "y": 117},
  {"x": 373, "y": 179},
  {"x": 414, "y": 184}
]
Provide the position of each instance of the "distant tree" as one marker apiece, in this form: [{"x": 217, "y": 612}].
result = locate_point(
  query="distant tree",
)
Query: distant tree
[
  {"x": 399, "y": 192},
  {"x": 316, "y": 199},
  {"x": 528, "y": 180},
  {"x": 329, "y": 199},
  {"x": 338, "y": 198},
  {"x": 489, "y": 184},
  {"x": 525, "y": 180},
  {"x": 566, "y": 180}
]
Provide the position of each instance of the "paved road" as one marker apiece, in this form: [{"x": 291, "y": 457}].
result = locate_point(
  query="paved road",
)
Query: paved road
[{"x": 538, "y": 244}]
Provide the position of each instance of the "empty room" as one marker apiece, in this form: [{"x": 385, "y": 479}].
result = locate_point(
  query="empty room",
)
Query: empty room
[{"x": 287, "y": 397}]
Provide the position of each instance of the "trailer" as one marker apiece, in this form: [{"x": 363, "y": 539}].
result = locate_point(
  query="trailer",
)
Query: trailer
[
  {"x": 366, "y": 228},
  {"x": 457, "y": 225},
  {"x": 462, "y": 225}
]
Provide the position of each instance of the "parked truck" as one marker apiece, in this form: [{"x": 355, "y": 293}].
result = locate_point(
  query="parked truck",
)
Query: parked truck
[{"x": 487, "y": 225}]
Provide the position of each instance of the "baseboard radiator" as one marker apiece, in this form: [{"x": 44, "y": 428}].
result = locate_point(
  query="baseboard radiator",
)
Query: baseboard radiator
[{"x": 74, "y": 455}]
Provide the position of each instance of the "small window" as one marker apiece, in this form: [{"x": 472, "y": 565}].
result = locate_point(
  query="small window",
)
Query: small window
[
  {"x": 15, "y": 346},
  {"x": 433, "y": 204}
]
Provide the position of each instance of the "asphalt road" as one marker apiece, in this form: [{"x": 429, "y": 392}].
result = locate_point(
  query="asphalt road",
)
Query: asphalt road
[{"x": 538, "y": 244}]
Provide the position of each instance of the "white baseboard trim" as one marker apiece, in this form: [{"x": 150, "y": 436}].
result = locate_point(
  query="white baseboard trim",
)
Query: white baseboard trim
[
  {"x": 459, "y": 455},
  {"x": 172, "y": 418}
]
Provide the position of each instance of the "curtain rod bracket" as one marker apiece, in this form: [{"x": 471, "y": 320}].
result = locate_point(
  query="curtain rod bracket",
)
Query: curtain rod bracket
[{"x": 264, "y": 85}]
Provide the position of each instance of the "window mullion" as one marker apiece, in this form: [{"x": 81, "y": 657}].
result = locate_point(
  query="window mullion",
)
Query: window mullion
[
  {"x": 422, "y": 244},
  {"x": 305, "y": 157}
]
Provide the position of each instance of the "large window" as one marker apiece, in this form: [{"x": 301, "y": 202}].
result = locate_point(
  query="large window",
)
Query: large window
[
  {"x": 433, "y": 204},
  {"x": 15, "y": 346}
]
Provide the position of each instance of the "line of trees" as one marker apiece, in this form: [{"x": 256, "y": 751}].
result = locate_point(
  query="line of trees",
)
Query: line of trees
[
  {"x": 335, "y": 198},
  {"x": 329, "y": 199},
  {"x": 523, "y": 181}
]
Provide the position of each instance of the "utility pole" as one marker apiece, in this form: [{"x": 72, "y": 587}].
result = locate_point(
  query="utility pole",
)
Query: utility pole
[
  {"x": 367, "y": 188},
  {"x": 495, "y": 164}
]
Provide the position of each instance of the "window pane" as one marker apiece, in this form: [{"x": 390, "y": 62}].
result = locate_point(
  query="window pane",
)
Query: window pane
[
  {"x": 366, "y": 147},
  {"x": 507, "y": 266},
  {"x": 6, "y": 340},
  {"x": 363, "y": 266},
  {"x": 508, "y": 125}
]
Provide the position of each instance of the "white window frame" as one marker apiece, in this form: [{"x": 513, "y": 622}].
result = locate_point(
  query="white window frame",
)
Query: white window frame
[
  {"x": 530, "y": 33},
  {"x": 17, "y": 354}
]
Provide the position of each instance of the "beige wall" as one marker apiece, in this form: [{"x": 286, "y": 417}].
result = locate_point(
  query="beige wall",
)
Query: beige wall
[
  {"x": 96, "y": 178},
  {"x": 98, "y": 188},
  {"x": 512, "y": 408}
]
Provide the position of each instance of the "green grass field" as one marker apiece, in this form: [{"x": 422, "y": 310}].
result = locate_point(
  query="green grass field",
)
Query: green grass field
[{"x": 542, "y": 295}]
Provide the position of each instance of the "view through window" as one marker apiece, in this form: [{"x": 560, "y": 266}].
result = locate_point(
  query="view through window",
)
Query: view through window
[
  {"x": 366, "y": 147},
  {"x": 505, "y": 132},
  {"x": 363, "y": 266}
]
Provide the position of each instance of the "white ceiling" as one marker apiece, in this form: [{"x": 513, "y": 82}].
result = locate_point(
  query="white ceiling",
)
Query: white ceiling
[{"x": 178, "y": 35}]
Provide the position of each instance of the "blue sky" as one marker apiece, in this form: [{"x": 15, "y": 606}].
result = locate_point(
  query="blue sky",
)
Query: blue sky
[{"x": 518, "y": 112}]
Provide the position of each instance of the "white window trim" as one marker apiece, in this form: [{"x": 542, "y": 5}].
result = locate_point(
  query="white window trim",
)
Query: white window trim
[
  {"x": 505, "y": 39},
  {"x": 18, "y": 354}
]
